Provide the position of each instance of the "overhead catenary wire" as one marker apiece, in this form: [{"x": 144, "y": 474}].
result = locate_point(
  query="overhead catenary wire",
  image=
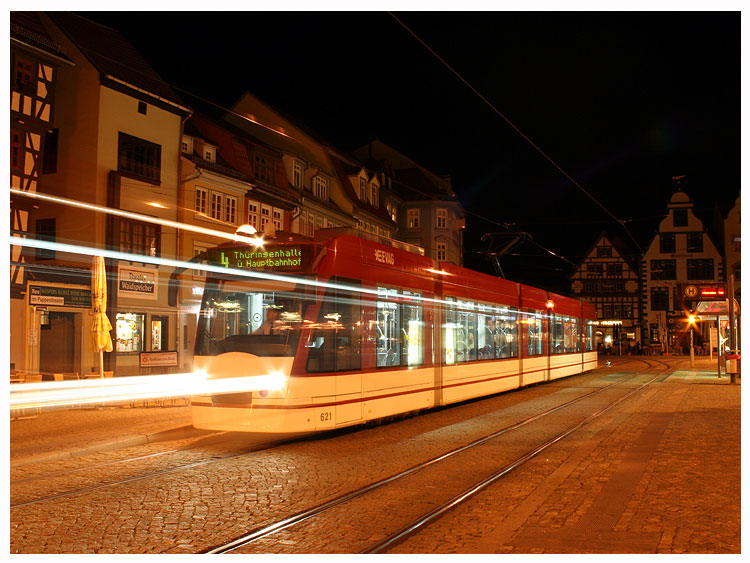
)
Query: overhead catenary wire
[
  {"x": 158, "y": 79},
  {"x": 515, "y": 128}
]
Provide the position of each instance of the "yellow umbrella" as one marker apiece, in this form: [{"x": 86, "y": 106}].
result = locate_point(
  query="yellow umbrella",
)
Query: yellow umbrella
[{"x": 101, "y": 325}]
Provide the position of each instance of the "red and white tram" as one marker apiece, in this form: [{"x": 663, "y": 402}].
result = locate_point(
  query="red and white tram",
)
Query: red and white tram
[{"x": 344, "y": 330}]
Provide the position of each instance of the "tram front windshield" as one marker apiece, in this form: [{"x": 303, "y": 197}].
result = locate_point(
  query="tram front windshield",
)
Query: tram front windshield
[{"x": 258, "y": 319}]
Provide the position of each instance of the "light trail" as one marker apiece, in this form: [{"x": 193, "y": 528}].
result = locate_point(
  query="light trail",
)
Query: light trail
[
  {"x": 139, "y": 217},
  {"x": 181, "y": 264},
  {"x": 127, "y": 389}
]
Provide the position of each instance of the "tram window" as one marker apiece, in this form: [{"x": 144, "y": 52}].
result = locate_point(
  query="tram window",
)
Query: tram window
[
  {"x": 388, "y": 347},
  {"x": 589, "y": 336},
  {"x": 534, "y": 333},
  {"x": 466, "y": 344},
  {"x": 450, "y": 332},
  {"x": 565, "y": 335},
  {"x": 236, "y": 317},
  {"x": 505, "y": 333},
  {"x": 486, "y": 337},
  {"x": 399, "y": 328},
  {"x": 336, "y": 342}
]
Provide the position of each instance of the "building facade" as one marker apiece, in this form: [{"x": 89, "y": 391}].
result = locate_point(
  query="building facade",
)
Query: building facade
[
  {"x": 681, "y": 252},
  {"x": 423, "y": 203},
  {"x": 116, "y": 135},
  {"x": 608, "y": 279}
]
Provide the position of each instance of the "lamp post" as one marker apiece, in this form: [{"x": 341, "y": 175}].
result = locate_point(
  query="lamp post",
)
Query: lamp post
[{"x": 691, "y": 322}]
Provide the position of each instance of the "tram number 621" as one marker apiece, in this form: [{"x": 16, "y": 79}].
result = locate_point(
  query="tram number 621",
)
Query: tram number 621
[{"x": 325, "y": 416}]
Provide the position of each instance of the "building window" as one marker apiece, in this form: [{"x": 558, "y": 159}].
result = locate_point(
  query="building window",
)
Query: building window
[
  {"x": 230, "y": 209},
  {"x": 412, "y": 218},
  {"x": 16, "y": 150},
  {"x": 297, "y": 174},
  {"x": 139, "y": 158},
  {"x": 265, "y": 217},
  {"x": 663, "y": 269},
  {"x": 263, "y": 167},
  {"x": 139, "y": 238},
  {"x": 595, "y": 270},
  {"x": 209, "y": 153},
  {"x": 142, "y": 107},
  {"x": 442, "y": 219},
  {"x": 278, "y": 219},
  {"x": 49, "y": 155},
  {"x": 614, "y": 270},
  {"x": 604, "y": 251},
  {"x": 253, "y": 217},
  {"x": 375, "y": 201},
  {"x": 187, "y": 144},
  {"x": 216, "y": 201},
  {"x": 660, "y": 299},
  {"x": 129, "y": 332},
  {"x": 442, "y": 251},
  {"x": 321, "y": 188},
  {"x": 25, "y": 75},
  {"x": 695, "y": 242},
  {"x": 362, "y": 189},
  {"x": 201, "y": 201},
  {"x": 679, "y": 217},
  {"x": 216, "y": 205},
  {"x": 666, "y": 243},
  {"x": 45, "y": 230},
  {"x": 700, "y": 269}
]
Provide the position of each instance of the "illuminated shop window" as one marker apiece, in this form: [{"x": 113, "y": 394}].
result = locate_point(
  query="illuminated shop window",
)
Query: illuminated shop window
[{"x": 129, "y": 332}]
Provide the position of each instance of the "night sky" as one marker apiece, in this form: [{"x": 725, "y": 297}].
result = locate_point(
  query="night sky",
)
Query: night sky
[{"x": 621, "y": 101}]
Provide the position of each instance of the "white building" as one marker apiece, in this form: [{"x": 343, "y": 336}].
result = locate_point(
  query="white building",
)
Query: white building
[{"x": 681, "y": 252}]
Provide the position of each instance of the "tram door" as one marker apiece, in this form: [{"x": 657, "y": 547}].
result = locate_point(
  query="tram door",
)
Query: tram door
[{"x": 58, "y": 343}]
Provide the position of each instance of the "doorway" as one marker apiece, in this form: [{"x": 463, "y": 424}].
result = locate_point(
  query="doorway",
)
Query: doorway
[{"x": 59, "y": 343}]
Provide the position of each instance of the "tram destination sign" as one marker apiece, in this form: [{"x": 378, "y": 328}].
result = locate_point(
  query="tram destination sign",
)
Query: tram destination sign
[{"x": 292, "y": 258}]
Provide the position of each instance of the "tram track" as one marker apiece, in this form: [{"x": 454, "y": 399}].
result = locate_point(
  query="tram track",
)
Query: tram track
[
  {"x": 214, "y": 459},
  {"x": 265, "y": 532}
]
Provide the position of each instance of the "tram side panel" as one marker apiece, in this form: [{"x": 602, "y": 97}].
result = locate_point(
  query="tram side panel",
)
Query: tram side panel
[{"x": 590, "y": 356}]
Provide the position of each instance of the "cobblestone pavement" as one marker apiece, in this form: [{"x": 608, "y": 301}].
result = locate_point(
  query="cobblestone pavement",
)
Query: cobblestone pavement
[{"x": 661, "y": 475}]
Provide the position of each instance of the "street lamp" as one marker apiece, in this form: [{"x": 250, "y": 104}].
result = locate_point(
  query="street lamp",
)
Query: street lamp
[{"x": 691, "y": 323}]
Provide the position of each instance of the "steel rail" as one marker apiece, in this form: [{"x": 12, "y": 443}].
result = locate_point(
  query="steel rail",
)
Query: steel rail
[
  {"x": 409, "y": 530},
  {"x": 315, "y": 511}
]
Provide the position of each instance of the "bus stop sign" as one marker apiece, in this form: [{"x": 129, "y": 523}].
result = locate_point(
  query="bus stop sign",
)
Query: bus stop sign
[{"x": 692, "y": 292}]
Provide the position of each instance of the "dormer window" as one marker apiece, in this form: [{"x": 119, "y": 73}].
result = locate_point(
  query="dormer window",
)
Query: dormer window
[
  {"x": 374, "y": 199},
  {"x": 362, "y": 189},
  {"x": 209, "y": 153},
  {"x": 187, "y": 144},
  {"x": 297, "y": 174},
  {"x": 320, "y": 187}
]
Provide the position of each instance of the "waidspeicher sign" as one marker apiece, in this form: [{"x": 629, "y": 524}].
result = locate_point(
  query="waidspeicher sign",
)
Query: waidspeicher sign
[{"x": 137, "y": 282}]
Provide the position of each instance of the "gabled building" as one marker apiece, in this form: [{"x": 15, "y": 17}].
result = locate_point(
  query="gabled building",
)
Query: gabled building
[
  {"x": 607, "y": 278},
  {"x": 365, "y": 191},
  {"x": 304, "y": 159},
  {"x": 423, "y": 203},
  {"x": 681, "y": 252},
  {"x": 116, "y": 130}
]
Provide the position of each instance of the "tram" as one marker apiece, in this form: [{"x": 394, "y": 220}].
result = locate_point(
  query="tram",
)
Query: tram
[{"x": 342, "y": 330}]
